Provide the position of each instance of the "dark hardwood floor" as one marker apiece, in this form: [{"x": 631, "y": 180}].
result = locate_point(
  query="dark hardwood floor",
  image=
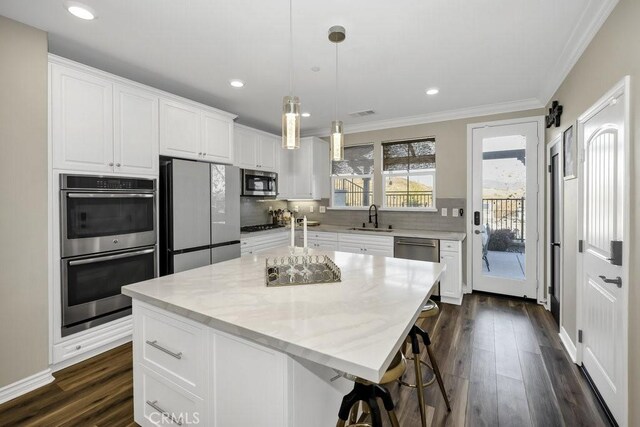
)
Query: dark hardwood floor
[
  {"x": 96, "y": 392},
  {"x": 502, "y": 361}
]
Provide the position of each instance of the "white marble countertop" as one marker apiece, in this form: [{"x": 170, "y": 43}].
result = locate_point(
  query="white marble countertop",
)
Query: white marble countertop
[
  {"x": 355, "y": 326},
  {"x": 426, "y": 234}
]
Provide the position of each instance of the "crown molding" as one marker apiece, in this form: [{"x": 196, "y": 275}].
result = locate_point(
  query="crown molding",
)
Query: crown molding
[
  {"x": 442, "y": 116},
  {"x": 593, "y": 17}
]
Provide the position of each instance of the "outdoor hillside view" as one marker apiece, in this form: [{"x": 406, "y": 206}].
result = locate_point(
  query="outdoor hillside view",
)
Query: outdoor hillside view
[{"x": 408, "y": 170}]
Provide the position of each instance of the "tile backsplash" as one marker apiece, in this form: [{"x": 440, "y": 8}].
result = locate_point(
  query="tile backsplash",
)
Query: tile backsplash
[
  {"x": 397, "y": 219},
  {"x": 254, "y": 212}
]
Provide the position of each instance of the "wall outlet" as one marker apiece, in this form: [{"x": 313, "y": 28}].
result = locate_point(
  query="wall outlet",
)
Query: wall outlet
[
  {"x": 311, "y": 209},
  {"x": 455, "y": 212},
  {"x": 444, "y": 211},
  {"x": 322, "y": 209},
  {"x": 296, "y": 208}
]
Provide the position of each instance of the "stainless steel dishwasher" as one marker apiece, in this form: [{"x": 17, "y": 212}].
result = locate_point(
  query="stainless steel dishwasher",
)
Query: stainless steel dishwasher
[{"x": 418, "y": 249}]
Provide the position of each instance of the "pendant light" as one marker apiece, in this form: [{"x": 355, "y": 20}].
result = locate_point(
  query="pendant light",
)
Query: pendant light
[
  {"x": 291, "y": 103},
  {"x": 337, "y": 34}
]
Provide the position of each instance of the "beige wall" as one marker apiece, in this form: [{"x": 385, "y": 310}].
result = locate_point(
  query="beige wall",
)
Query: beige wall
[
  {"x": 613, "y": 53},
  {"x": 451, "y": 147},
  {"x": 23, "y": 206}
]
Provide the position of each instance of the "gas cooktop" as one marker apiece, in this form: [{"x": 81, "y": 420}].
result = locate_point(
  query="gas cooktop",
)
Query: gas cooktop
[{"x": 261, "y": 227}]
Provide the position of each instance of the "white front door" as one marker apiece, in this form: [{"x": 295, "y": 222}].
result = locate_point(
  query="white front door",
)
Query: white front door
[
  {"x": 505, "y": 208},
  {"x": 601, "y": 137}
]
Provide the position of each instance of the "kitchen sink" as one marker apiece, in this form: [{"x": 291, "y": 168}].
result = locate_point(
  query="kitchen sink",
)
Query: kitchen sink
[{"x": 376, "y": 230}]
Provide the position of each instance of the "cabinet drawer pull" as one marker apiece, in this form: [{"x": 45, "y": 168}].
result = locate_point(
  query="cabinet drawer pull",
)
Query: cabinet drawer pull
[
  {"x": 154, "y": 405},
  {"x": 155, "y": 344}
]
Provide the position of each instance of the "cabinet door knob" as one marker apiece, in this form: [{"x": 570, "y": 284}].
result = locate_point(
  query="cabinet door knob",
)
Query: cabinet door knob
[
  {"x": 110, "y": 163},
  {"x": 117, "y": 164}
]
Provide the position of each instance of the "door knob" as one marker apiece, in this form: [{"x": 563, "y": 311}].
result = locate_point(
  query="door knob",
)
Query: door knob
[
  {"x": 477, "y": 231},
  {"x": 617, "y": 281}
]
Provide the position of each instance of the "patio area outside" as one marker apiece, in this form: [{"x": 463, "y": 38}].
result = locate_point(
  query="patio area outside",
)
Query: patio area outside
[{"x": 504, "y": 264}]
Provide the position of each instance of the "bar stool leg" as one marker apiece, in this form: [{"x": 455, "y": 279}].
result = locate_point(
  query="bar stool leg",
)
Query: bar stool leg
[
  {"x": 353, "y": 416},
  {"x": 434, "y": 364},
  {"x": 415, "y": 348},
  {"x": 376, "y": 418},
  {"x": 436, "y": 370}
]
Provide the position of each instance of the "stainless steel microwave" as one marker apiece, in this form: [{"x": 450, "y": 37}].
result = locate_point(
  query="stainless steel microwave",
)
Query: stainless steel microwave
[{"x": 259, "y": 183}]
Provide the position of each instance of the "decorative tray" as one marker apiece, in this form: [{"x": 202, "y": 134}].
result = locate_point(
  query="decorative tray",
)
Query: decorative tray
[{"x": 301, "y": 270}]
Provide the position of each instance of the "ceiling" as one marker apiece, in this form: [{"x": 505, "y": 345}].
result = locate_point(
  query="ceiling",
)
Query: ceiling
[{"x": 483, "y": 55}]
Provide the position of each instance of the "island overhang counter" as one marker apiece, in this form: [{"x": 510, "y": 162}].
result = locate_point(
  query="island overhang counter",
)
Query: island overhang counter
[{"x": 217, "y": 341}]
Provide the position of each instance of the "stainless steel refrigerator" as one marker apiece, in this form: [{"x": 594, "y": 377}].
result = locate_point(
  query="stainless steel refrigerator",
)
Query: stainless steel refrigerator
[{"x": 199, "y": 214}]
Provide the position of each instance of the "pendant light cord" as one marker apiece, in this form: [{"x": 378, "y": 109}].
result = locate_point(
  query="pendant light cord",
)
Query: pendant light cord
[
  {"x": 336, "y": 100},
  {"x": 291, "y": 47}
]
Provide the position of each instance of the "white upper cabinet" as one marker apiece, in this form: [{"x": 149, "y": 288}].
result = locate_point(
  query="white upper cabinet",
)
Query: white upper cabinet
[
  {"x": 135, "y": 126},
  {"x": 192, "y": 132},
  {"x": 81, "y": 120},
  {"x": 217, "y": 138},
  {"x": 102, "y": 123},
  {"x": 285, "y": 185},
  {"x": 246, "y": 144},
  {"x": 267, "y": 149},
  {"x": 309, "y": 170},
  {"x": 255, "y": 150},
  {"x": 179, "y": 129}
]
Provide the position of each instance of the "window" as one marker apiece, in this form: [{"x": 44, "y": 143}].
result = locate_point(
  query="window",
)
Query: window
[
  {"x": 409, "y": 174},
  {"x": 352, "y": 178}
]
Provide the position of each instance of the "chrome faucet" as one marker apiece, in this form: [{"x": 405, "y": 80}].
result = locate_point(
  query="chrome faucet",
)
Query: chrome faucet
[{"x": 375, "y": 208}]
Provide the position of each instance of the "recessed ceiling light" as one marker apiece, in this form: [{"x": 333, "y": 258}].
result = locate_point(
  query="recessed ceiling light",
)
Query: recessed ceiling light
[
  {"x": 236, "y": 83},
  {"x": 80, "y": 10},
  {"x": 306, "y": 114},
  {"x": 433, "y": 91}
]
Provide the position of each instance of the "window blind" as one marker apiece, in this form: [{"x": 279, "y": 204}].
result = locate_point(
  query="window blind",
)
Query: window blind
[
  {"x": 358, "y": 160},
  {"x": 409, "y": 155}
]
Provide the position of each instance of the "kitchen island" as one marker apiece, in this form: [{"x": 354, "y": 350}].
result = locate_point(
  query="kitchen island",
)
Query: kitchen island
[{"x": 216, "y": 344}]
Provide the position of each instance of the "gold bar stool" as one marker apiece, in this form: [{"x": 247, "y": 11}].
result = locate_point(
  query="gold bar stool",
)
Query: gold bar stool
[
  {"x": 368, "y": 392},
  {"x": 429, "y": 310}
]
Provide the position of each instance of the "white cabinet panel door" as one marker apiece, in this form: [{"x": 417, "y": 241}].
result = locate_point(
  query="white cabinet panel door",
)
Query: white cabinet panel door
[
  {"x": 451, "y": 282},
  {"x": 217, "y": 138},
  {"x": 246, "y": 146},
  {"x": 135, "y": 131},
  {"x": 267, "y": 147},
  {"x": 179, "y": 129},
  {"x": 303, "y": 172},
  {"x": 81, "y": 120},
  {"x": 248, "y": 385}
]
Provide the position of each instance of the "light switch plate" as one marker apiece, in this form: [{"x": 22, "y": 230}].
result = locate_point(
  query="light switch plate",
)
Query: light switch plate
[
  {"x": 296, "y": 209},
  {"x": 311, "y": 209},
  {"x": 455, "y": 212},
  {"x": 270, "y": 208},
  {"x": 444, "y": 211},
  {"x": 322, "y": 209}
]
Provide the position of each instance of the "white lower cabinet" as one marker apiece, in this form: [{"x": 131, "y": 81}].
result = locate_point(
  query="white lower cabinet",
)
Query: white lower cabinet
[
  {"x": 451, "y": 280},
  {"x": 365, "y": 244},
  {"x": 160, "y": 402},
  {"x": 211, "y": 378},
  {"x": 257, "y": 244}
]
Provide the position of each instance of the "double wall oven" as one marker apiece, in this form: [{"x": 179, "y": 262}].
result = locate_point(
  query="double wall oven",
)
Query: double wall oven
[{"x": 108, "y": 240}]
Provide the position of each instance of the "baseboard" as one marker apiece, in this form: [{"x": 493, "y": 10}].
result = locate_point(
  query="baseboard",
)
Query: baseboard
[
  {"x": 25, "y": 385},
  {"x": 450, "y": 300},
  {"x": 89, "y": 354},
  {"x": 568, "y": 345}
]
